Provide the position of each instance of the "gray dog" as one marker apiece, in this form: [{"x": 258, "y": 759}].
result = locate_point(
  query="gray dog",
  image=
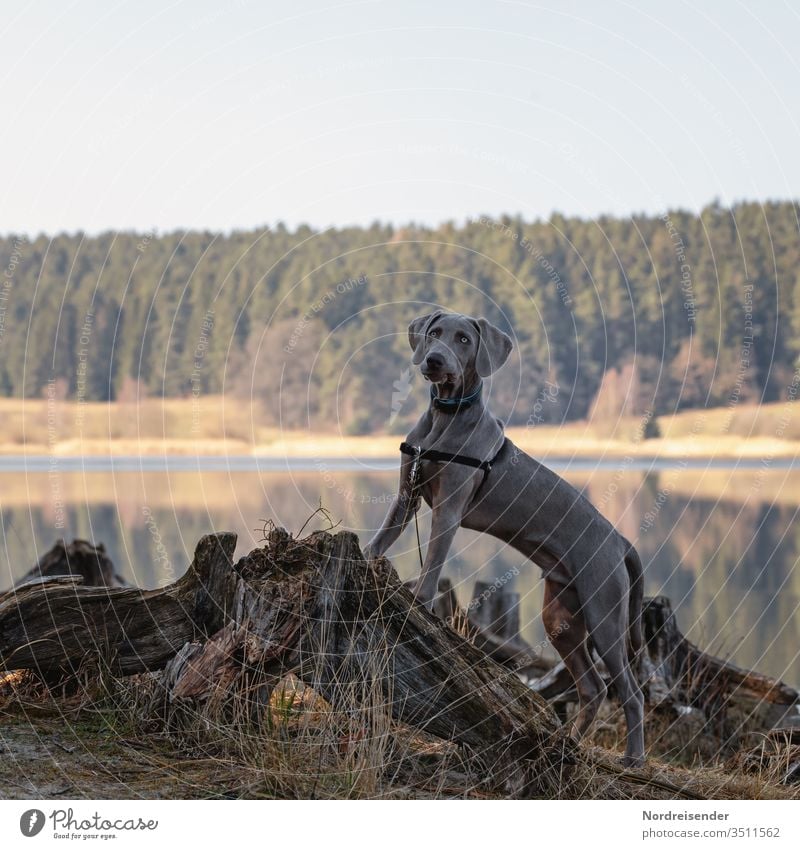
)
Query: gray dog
[{"x": 458, "y": 459}]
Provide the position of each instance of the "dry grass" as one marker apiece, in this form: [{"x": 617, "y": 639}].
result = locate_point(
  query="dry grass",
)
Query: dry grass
[
  {"x": 115, "y": 738},
  {"x": 294, "y": 747},
  {"x": 216, "y": 425}
]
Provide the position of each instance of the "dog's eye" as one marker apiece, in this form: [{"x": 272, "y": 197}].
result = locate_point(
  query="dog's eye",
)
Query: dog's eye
[
  {"x": 434, "y": 332},
  {"x": 464, "y": 340}
]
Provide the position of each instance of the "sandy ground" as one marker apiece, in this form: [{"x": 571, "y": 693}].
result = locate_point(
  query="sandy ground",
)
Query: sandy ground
[
  {"x": 544, "y": 443},
  {"x": 50, "y": 757},
  {"x": 218, "y": 426}
]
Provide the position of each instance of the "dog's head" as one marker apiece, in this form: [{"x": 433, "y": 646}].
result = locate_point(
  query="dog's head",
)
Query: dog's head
[{"x": 453, "y": 349}]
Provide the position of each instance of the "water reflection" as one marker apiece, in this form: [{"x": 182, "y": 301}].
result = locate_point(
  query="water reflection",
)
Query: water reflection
[{"x": 723, "y": 544}]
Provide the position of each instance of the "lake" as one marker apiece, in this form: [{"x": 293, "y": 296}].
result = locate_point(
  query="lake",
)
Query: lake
[{"x": 721, "y": 540}]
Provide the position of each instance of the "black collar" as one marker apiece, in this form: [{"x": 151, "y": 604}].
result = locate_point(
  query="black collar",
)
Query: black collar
[{"x": 453, "y": 405}]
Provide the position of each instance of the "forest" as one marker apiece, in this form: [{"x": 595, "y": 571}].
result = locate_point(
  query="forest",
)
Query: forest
[{"x": 638, "y": 316}]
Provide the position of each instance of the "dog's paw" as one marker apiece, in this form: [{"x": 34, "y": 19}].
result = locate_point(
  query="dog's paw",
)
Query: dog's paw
[
  {"x": 421, "y": 596},
  {"x": 630, "y": 762}
]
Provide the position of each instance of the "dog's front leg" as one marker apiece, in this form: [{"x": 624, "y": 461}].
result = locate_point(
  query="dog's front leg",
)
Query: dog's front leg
[
  {"x": 398, "y": 515},
  {"x": 445, "y": 521}
]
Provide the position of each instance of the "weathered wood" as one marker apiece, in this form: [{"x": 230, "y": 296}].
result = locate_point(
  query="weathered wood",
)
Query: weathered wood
[
  {"x": 54, "y": 626},
  {"x": 445, "y": 603},
  {"x": 493, "y": 613},
  {"x": 494, "y": 627},
  {"x": 495, "y": 609},
  {"x": 353, "y": 632},
  {"x": 556, "y": 684},
  {"x": 775, "y": 754},
  {"x": 78, "y": 558},
  {"x": 315, "y": 608},
  {"x": 693, "y": 676},
  {"x": 674, "y": 672}
]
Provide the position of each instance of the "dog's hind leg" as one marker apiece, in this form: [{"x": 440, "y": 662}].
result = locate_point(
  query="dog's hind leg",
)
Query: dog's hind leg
[
  {"x": 566, "y": 630},
  {"x": 609, "y": 631}
]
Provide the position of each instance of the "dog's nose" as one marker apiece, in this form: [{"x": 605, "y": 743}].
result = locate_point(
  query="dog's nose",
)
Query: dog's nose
[{"x": 434, "y": 361}]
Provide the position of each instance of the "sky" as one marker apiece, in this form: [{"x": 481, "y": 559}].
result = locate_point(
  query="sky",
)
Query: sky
[{"x": 238, "y": 114}]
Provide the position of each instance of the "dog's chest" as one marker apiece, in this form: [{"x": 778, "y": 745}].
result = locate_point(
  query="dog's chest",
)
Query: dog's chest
[
  {"x": 436, "y": 479},
  {"x": 429, "y": 480}
]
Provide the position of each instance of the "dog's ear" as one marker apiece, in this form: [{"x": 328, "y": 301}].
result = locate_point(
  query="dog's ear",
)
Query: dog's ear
[
  {"x": 493, "y": 348},
  {"x": 416, "y": 334}
]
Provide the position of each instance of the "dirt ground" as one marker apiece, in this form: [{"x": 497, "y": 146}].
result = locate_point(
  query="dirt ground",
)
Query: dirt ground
[{"x": 54, "y": 757}]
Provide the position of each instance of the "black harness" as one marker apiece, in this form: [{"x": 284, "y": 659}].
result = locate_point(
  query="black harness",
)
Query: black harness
[
  {"x": 447, "y": 405},
  {"x": 414, "y": 482},
  {"x": 452, "y": 406},
  {"x": 446, "y": 457}
]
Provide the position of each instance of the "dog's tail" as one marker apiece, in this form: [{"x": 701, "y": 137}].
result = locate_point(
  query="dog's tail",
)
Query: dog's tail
[{"x": 633, "y": 564}]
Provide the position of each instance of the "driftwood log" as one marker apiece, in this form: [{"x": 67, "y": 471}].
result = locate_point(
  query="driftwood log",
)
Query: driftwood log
[
  {"x": 315, "y": 608},
  {"x": 675, "y": 674},
  {"x": 777, "y": 751},
  {"x": 491, "y": 621},
  {"x": 675, "y": 668},
  {"x": 78, "y": 558},
  {"x": 53, "y": 626}
]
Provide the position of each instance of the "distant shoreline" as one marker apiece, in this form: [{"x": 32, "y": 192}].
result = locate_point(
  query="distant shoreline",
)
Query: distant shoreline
[
  {"x": 220, "y": 427},
  {"x": 120, "y": 463},
  {"x": 554, "y": 445},
  {"x": 557, "y": 445}
]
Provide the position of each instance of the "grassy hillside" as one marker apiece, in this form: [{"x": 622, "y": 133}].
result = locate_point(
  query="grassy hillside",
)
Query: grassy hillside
[{"x": 220, "y": 425}]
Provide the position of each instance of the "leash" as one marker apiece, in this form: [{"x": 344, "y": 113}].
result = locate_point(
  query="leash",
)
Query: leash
[
  {"x": 451, "y": 406},
  {"x": 413, "y": 494}
]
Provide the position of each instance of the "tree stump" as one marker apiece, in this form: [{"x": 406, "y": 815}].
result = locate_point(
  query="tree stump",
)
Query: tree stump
[
  {"x": 675, "y": 673},
  {"x": 493, "y": 627},
  {"x": 53, "y": 627},
  {"x": 79, "y": 558},
  {"x": 494, "y": 616},
  {"x": 680, "y": 668},
  {"x": 315, "y": 608}
]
